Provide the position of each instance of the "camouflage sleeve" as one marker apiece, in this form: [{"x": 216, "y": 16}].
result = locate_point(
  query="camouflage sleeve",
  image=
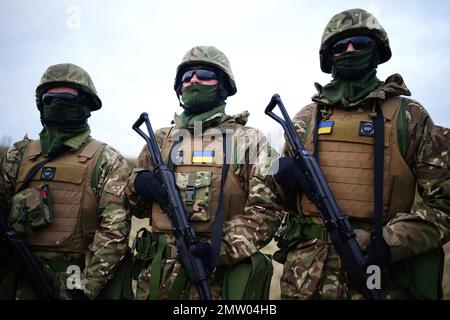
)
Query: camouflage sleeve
[
  {"x": 245, "y": 234},
  {"x": 111, "y": 238},
  {"x": 427, "y": 225},
  {"x": 139, "y": 207},
  {"x": 9, "y": 166}
]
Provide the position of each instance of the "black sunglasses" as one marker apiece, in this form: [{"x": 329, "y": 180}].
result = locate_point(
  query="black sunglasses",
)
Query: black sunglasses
[
  {"x": 358, "y": 42},
  {"x": 48, "y": 97},
  {"x": 202, "y": 74}
]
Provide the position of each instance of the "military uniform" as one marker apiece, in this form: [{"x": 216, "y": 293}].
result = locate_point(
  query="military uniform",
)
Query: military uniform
[
  {"x": 84, "y": 187},
  {"x": 251, "y": 209},
  {"x": 416, "y": 154}
]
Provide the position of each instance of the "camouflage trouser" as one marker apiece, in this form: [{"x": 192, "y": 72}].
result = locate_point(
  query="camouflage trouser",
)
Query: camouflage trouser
[
  {"x": 170, "y": 269},
  {"x": 314, "y": 271}
]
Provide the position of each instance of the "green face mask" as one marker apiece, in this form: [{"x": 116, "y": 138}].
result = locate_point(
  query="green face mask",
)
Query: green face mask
[
  {"x": 353, "y": 65},
  {"x": 60, "y": 113},
  {"x": 62, "y": 120},
  {"x": 198, "y": 96},
  {"x": 355, "y": 76}
]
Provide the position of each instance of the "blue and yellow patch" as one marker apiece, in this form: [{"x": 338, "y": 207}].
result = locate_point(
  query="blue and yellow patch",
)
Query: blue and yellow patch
[
  {"x": 325, "y": 127},
  {"x": 202, "y": 156}
]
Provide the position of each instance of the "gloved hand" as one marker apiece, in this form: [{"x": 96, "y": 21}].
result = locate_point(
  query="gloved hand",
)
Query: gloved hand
[
  {"x": 289, "y": 175},
  {"x": 149, "y": 187},
  {"x": 371, "y": 257},
  {"x": 77, "y": 294}
]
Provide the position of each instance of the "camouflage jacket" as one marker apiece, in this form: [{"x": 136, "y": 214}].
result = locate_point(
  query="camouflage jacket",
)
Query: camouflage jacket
[
  {"x": 111, "y": 238},
  {"x": 244, "y": 234},
  {"x": 427, "y": 154}
]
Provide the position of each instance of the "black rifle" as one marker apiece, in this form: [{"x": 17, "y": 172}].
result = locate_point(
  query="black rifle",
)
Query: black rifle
[
  {"x": 15, "y": 254},
  {"x": 185, "y": 238},
  {"x": 337, "y": 225}
]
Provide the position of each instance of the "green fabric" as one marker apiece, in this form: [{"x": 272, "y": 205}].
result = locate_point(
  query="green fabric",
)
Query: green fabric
[
  {"x": 295, "y": 230},
  {"x": 248, "y": 279},
  {"x": 53, "y": 139},
  {"x": 8, "y": 284},
  {"x": 402, "y": 129},
  {"x": 422, "y": 275},
  {"x": 63, "y": 122},
  {"x": 187, "y": 121},
  {"x": 198, "y": 94},
  {"x": 346, "y": 87},
  {"x": 156, "y": 268},
  {"x": 180, "y": 282},
  {"x": 120, "y": 286}
]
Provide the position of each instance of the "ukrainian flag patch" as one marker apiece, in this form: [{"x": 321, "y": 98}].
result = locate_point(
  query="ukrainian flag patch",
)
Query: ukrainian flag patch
[
  {"x": 202, "y": 156},
  {"x": 325, "y": 127}
]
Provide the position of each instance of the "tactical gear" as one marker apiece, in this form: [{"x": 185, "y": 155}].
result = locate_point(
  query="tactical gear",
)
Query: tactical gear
[
  {"x": 198, "y": 98},
  {"x": 385, "y": 254},
  {"x": 31, "y": 210},
  {"x": 149, "y": 187},
  {"x": 54, "y": 140},
  {"x": 289, "y": 175},
  {"x": 202, "y": 74},
  {"x": 188, "y": 120},
  {"x": 354, "y": 22},
  {"x": 198, "y": 181},
  {"x": 353, "y": 65},
  {"x": 68, "y": 75},
  {"x": 69, "y": 179},
  {"x": 61, "y": 113},
  {"x": 346, "y": 158},
  {"x": 358, "y": 42},
  {"x": 207, "y": 56},
  {"x": 340, "y": 91}
]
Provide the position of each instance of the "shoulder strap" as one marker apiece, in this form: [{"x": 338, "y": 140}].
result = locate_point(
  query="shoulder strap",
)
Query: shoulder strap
[
  {"x": 216, "y": 239},
  {"x": 378, "y": 177}
]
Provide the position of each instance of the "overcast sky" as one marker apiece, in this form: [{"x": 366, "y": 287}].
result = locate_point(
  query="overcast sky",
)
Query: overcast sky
[{"x": 132, "y": 48}]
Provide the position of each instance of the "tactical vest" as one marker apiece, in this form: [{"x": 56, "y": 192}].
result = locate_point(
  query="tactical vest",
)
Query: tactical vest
[
  {"x": 74, "y": 203},
  {"x": 346, "y": 159},
  {"x": 198, "y": 173}
]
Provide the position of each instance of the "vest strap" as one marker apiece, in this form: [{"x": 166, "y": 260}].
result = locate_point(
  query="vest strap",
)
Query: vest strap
[{"x": 378, "y": 177}]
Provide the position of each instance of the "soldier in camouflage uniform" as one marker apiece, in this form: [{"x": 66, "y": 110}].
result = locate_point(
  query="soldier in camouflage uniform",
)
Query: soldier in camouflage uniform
[
  {"x": 251, "y": 212},
  {"x": 416, "y": 155},
  {"x": 71, "y": 212}
]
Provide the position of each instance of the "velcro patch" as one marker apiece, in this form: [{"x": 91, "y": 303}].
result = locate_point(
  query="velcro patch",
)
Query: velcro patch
[
  {"x": 202, "y": 156},
  {"x": 48, "y": 173},
  {"x": 325, "y": 127},
  {"x": 366, "y": 129}
]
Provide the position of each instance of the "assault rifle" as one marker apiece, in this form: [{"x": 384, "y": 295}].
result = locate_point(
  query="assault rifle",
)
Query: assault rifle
[
  {"x": 185, "y": 238},
  {"x": 337, "y": 224},
  {"x": 15, "y": 255}
]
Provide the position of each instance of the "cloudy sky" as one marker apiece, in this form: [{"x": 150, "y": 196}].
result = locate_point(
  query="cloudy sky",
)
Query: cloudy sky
[{"x": 131, "y": 50}]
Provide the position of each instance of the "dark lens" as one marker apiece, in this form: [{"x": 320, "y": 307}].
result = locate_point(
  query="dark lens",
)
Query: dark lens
[
  {"x": 361, "y": 42},
  {"x": 187, "y": 76},
  {"x": 358, "y": 42},
  {"x": 48, "y": 97},
  {"x": 340, "y": 46},
  {"x": 203, "y": 74}
]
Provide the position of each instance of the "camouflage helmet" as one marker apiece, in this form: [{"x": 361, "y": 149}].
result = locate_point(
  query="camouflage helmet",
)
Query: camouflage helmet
[
  {"x": 350, "y": 23},
  {"x": 69, "y": 75},
  {"x": 209, "y": 56}
]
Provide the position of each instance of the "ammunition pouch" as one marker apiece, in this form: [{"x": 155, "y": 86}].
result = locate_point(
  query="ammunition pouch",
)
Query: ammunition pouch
[{"x": 31, "y": 210}]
